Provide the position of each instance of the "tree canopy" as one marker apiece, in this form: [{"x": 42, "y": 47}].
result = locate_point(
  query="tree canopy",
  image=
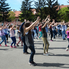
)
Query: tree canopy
[
  {"x": 64, "y": 14},
  {"x": 4, "y": 9},
  {"x": 11, "y": 16},
  {"x": 26, "y": 11},
  {"x": 47, "y": 7}
]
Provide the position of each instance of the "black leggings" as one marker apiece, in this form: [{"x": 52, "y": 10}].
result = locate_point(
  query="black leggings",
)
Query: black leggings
[
  {"x": 6, "y": 36},
  {"x": 51, "y": 34}
]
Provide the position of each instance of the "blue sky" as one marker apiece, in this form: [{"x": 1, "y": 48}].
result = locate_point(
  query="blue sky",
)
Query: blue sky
[{"x": 16, "y": 4}]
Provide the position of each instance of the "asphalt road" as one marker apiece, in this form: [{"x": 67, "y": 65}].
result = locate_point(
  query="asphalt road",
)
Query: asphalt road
[{"x": 13, "y": 58}]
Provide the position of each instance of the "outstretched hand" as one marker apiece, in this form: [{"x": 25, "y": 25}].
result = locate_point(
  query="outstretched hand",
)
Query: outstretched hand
[
  {"x": 48, "y": 16},
  {"x": 38, "y": 18},
  {"x": 49, "y": 19},
  {"x": 24, "y": 20},
  {"x": 53, "y": 21}
]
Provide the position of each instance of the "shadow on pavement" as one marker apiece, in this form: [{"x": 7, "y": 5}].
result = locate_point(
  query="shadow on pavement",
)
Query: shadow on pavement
[
  {"x": 52, "y": 48},
  {"x": 60, "y": 55},
  {"x": 52, "y": 65},
  {"x": 39, "y": 48},
  {"x": 39, "y": 43},
  {"x": 57, "y": 48},
  {"x": 3, "y": 49},
  {"x": 19, "y": 47},
  {"x": 51, "y": 54},
  {"x": 38, "y": 53},
  {"x": 59, "y": 40}
]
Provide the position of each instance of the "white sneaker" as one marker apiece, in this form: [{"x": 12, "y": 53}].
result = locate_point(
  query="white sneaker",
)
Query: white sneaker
[
  {"x": 67, "y": 49},
  {"x": 44, "y": 54},
  {"x": 47, "y": 54}
]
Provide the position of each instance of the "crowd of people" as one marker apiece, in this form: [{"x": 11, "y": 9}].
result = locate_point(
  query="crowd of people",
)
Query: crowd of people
[{"x": 28, "y": 31}]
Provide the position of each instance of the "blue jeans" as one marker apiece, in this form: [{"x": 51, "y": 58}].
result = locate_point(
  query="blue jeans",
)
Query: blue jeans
[
  {"x": 35, "y": 34},
  {"x": 59, "y": 32},
  {"x": 53, "y": 33},
  {"x": 32, "y": 53},
  {"x": 63, "y": 34},
  {"x": 3, "y": 39},
  {"x": 13, "y": 41},
  {"x": 24, "y": 47}
]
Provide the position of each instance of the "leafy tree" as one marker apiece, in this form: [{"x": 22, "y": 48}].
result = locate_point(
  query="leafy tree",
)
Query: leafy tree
[
  {"x": 4, "y": 9},
  {"x": 40, "y": 5},
  {"x": 11, "y": 16},
  {"x": 26, "y": 5},
  {"x": 0, "y": 17},
  {"x": 26, "y": 15},
  {"x": 52, "y": 8},
  {"x": 64, "y": 14},
  {"x": 26, "y": 12},
  {"x": 47, "y": 7}
]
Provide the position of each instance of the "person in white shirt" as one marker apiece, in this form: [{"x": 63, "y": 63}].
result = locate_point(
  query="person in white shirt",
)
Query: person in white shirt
[
  {"x": 63, "y": 29},
  {"x": 58, "y": 27},
  {"x": 12, "y": 36}
]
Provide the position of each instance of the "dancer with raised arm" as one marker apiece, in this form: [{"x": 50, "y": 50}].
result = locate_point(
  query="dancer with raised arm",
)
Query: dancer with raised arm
[
  {"x": 44, "y": 36},
  {"x": 29, "y": 40}
]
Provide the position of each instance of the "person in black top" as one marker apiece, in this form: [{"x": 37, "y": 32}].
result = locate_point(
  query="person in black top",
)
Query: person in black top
[
  {"x": 44, "y": 35},
  {"x": 29, "y": 40}
]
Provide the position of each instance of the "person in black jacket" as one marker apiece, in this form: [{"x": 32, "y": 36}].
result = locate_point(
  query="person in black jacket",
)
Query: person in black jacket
[{"x": 23, "y": 38}]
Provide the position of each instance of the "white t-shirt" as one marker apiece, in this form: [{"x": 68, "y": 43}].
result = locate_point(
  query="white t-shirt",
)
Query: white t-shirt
[
  {"x": 63, "y": 27},
  {"x": 12, "y": 34},
  {"x": 58, "y": 27}
]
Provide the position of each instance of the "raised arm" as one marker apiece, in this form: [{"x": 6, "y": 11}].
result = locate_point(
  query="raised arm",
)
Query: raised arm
[
  {"x": 47, "y": 17},
  {"x": 67, "y": 23},
  {"x": 12, "y": 27},
  {"x": 52, "y": 23},
  {"x": 46, "y": 23},
  {"x": 33, "y": 24}
]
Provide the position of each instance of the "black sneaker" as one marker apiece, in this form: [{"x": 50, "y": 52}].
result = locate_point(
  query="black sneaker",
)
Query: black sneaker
[
  {"x": 64, "y": 39},
  {"x": 32, "y": 63},
  {"x": 25, "y": 53},
  {"x": 21, "y": 45},
  {"x": 17, "y": 45}
]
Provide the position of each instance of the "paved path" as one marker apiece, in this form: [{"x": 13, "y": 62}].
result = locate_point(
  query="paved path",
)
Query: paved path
[{"x": 11, "y": 58}]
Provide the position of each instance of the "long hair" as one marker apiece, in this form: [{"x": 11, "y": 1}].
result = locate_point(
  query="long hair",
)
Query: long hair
[
  {"x": 10, "y": 26},
  {"x": 18, "y": 27},
  {"x": 27, "y": 24}
]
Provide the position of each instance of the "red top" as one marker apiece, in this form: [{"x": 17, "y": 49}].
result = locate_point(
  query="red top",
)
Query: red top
[{"x": 39, "y": 28}]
